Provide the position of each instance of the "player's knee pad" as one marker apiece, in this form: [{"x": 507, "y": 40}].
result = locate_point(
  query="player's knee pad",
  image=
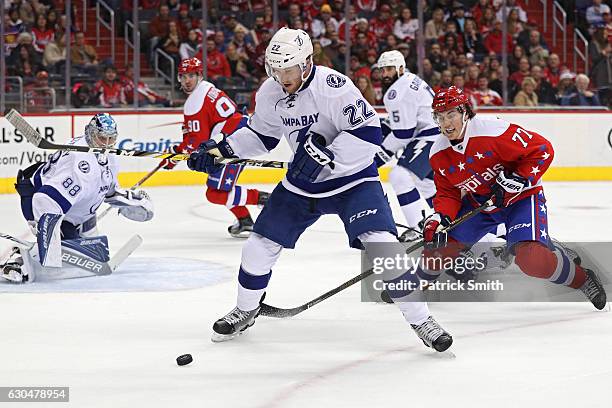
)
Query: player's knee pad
[
  {"x": 259, "y": 254},
  {"x": 426, "y": 187},
  {"x": 401, "y": 179},
  {"x": 216, "y": 196},
  {"x": 535, "y": 259}
]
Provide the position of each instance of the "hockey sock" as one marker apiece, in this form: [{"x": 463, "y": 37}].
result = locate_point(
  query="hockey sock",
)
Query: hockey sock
[
  {"x": 537, "y": 260},
  {"x": 240, "y": 212},
  {"x": 237, "y": 196}
]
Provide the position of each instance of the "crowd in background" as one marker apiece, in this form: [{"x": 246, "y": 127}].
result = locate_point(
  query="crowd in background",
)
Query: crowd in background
[{"x": 463, "y": 45}]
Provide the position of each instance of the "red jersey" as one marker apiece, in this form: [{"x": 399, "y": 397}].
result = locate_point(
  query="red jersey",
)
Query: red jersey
[
  {"x": 111, "y": 93},
  {"x": 208, "y": 111},
  {"x": 488, "y": 147},
  {"x": 486, "y": 98}
]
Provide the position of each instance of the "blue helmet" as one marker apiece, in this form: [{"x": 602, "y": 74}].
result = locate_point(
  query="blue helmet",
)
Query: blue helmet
[{"x": 101, "y": 131}]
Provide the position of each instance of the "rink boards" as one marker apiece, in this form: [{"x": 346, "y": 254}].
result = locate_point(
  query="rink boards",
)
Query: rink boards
[{"x": 582, "y": 142}]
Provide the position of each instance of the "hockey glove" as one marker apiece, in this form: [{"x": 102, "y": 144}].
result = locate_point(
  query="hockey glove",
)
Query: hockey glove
[
  {"x": 169, "y": 163},
  {"x": 203, "y": 159},
  {"x": 382, "y": 157},
  {"x": 134, "y": 205},
  {"x": 310, "y": 158},
  {"x": 433, "y": 230},
  {"x": 507, "y": 187}
]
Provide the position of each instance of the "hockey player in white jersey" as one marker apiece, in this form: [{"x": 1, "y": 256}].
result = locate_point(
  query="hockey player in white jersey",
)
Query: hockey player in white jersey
[
  {"x": 408, "y": 101},
  {"x": 59, "y": 199},
  {"x": 334, "y": 134}
]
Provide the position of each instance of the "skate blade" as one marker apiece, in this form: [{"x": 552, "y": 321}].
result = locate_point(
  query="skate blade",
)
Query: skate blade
[
  {"x": 241, "y": 235},
  {"x": 220, "y": 338}
]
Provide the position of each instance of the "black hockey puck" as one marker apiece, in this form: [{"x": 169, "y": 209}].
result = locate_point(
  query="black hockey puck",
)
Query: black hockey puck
[{"x": 184, "y": 359}]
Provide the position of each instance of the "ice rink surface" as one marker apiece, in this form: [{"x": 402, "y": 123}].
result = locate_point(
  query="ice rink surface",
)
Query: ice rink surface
[{"x": 114, "y": 342}]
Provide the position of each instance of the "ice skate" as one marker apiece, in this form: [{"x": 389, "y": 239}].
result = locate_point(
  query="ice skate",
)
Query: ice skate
[
  {"x": 410, "y": 235},
  {"x": 233, "y": 324},
  {"x": 241, "y": 228},
  {"x": 262, "y": 199},
  {"x": 433, "y": 335},
  {"x": 594, "y": 290},
  {"x": 12, "y": 269}
]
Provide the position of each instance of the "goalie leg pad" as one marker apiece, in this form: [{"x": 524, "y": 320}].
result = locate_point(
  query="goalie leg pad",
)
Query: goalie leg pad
[{"x": 48, "y": 239}]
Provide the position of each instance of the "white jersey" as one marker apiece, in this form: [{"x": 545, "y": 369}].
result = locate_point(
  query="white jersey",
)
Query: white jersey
[
  {"x": 408, "y": 103},
  {"x": 74, "y": 184},
  {"x": 328, "y": 104}
]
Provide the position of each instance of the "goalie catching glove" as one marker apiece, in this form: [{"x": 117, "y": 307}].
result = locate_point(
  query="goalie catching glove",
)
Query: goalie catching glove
[{"x": 133, "y": 204}]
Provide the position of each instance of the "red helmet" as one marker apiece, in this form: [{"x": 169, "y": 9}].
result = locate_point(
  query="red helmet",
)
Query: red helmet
[
  {"x": 190, "y": 65},
  {"x": 447, "y": 99}
]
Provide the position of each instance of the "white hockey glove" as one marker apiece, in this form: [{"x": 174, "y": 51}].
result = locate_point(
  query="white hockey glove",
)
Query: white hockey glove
[{"x": 133, "y": 204}]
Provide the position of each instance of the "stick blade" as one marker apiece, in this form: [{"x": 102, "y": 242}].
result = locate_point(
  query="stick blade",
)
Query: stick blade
[
  {"x": 126, "y": 250},
  {"x": 19, "y": 123}
]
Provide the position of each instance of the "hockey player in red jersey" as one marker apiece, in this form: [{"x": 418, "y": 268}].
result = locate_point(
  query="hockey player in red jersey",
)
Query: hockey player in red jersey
[
  {"x": 208, "y": 111},
  {"x": 479, "y": 159}
]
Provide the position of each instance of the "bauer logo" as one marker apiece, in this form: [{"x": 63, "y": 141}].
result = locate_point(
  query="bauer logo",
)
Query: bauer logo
[
  {"x": 335, "y": 81},
  {"x": 362, "y": 214},
  {"x": 84, "y": 166}
]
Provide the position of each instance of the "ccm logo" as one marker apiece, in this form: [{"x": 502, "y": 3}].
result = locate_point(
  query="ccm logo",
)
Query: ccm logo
[
  {"x": 517, "y": 226},
  {"x": 363, "y": 213},
  {"x": 316, "y": 154}
]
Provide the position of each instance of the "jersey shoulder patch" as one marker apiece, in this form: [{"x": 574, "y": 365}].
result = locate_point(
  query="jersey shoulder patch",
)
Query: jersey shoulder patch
[{"x": 335, "y": 80}]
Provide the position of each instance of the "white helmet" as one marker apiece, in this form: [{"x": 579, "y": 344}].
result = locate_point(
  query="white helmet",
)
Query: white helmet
[
  {"x": 392, "y": 59},
  {"x": 287, "y": 48}
]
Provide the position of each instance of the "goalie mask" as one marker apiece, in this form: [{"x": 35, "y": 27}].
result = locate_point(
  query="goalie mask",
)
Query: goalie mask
[{"x": 101, "y": 131}]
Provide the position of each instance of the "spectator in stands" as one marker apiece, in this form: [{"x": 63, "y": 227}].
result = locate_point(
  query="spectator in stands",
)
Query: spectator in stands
[
  {"x": 471, "y": 77},
  {"x": 487, "y": 21},
  {"x": 52, "y": 23},
  {"x": 216, "y": 63},
  {"x": 537, "y": 51},
  {"x": 598, "y": 46},
  {"x": 437, "y": 59},
  {"x": 583, "y": 96},
  {"x": 377, "y": 85},
  {"x": 82, "y": 95},
  {"x": 446, "y": 80},
  {"x": 565, "y": 86},
  {"x": 409, "y": 53},
  {"x": 434, "y": 28},
  {"x": 601, "y": 74},
  {"x": 365, "y": 87},
  {"x": 515, "y": 26},
  {"x": 460, "y": 65},
  {"x": 230, "y": 23},
  {"x": 545, "y": 91},
  {"x": 24, "y": 62},
  {"x": 459, "y": 82},
  {"x": 511, "y": 5},
  {"x": 472, "y": 40},
  {"x": 189, "y": 47},
  {"x": 390, "y": 44},
  {"x": 527, "y": 95},
  {"x": 319, "y": 57},
  {"x": 514, "y": 59},
  {"x": 55, "y": 54},
  {"x": 110, "y": 89},
  {"x": 357, "y": 68},
  {"x": 594, "y": 14},
  {"x": 185, "y": 21},
  {"x": 430, "y": 75},
  {"x": 382, "y": 25},
  {"x": 146, "y": 96},
  {"x": 367, "y": 5},
  {"x": 159, "y": 26},
  {"x": 352, "y": 18},
  {"x": 523, "y": 71},
  {"x": 406, "y": 27},
  {"x": 361, "y": 46},
  {"x": 483, "y": 95},
  {"x": 553, "y": 71},
  {"x": 479, "y": 8},
  {"x": 325, "y": 17},
  {"x": 41, "y": 33},
  {"x": 458, "y": 17},
  {"x": 83, "y": 57},
  {"x": 523, "y": 38},
  {"x": 243, "y": 43},
  {"x": 494, "y": 40},
  {"x": 173, "y": 5},
  {"x": 14, "y": 27},
  {"x": 170, "y": 44},
  {"x": 260, "y": 52},
  {"x": 239, "y": 62},
  {"x": 38, "y": 95},
  {"x": 451, "y": 46},
  {"x": 338, "y": 58}
]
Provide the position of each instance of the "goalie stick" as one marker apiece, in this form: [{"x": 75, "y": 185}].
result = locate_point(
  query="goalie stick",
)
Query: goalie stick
[
  {"x": 272, "y": 311},
  {"x": 33, "y": 137}
]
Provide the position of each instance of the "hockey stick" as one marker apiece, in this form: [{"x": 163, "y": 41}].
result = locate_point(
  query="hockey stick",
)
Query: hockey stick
[
  {"x": 22, "y": 243},
  {"x": 37, "y": 140},
  {"x": 140, "y": 183},
  {"x": 272, "y": 311}
]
